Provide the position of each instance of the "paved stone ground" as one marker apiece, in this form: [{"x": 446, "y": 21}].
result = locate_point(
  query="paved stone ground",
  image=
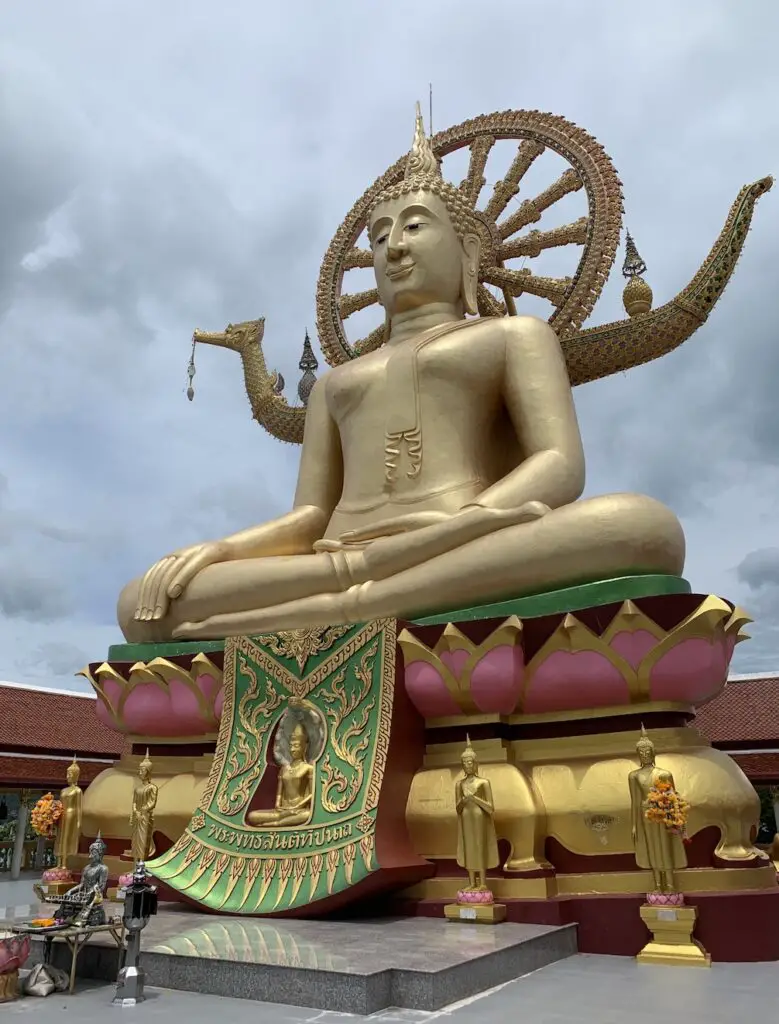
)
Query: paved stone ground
[{"x": 606, "y": 990}]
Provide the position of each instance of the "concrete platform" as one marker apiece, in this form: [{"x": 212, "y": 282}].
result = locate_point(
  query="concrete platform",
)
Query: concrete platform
[{"x": 359, "y": 967}]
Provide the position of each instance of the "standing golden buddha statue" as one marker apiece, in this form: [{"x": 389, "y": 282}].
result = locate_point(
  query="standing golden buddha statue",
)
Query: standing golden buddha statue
[
  {"x": 658, "y": 849},
  {"x": 142, "y": 814},
  {"x": 477, "y": 841},
  {"x": 69, "y": 824},
  {"x": 477, "y": 845},
  {"x": 442, "y": 467}
]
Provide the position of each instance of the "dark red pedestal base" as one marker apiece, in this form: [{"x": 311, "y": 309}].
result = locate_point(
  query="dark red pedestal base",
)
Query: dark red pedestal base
[{"x": 733, "y": 927}]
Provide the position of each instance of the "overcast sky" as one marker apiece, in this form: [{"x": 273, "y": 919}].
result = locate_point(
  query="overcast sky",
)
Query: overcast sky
[{"x": 180, "y": 164}]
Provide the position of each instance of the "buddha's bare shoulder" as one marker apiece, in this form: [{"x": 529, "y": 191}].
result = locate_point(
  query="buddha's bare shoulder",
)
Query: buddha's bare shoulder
[{"x": 529, "y": 331}]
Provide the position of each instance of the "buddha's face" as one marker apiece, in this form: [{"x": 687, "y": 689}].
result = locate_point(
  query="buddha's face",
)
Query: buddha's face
[
  {"x": 143, "y": 773},
  {"x": 297, "y": 747},
  {"x": 646, "y": 754},
  {"x": 418, "y": 258},
  {"x": 72, "y": 776},
  {"x": 469, "y": 764}
]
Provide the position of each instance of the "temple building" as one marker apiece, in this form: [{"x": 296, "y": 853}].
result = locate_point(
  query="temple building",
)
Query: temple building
[{"x": 41, "y": 729}]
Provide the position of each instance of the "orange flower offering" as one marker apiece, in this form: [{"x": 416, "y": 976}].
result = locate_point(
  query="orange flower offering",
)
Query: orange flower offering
[
  {"x": 664, "y": 806},
  {"x": 45, "y": 815},
  {"x": 43, "y": 922}
]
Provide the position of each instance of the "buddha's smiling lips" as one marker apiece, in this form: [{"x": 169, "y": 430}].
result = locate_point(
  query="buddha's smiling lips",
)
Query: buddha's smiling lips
[{"x": 398, "y": 272}]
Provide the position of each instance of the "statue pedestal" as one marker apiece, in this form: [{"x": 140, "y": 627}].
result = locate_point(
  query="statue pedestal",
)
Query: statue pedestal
[
  {"x": 476, "y": 913},
  {"x": 672, "y": 943}
]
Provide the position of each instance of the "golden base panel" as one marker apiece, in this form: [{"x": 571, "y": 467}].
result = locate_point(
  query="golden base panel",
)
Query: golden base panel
[
  {"x": 9, "y": 986},
  {"x": 476, "y": 913},
  {"x": 672, "y": 943}
]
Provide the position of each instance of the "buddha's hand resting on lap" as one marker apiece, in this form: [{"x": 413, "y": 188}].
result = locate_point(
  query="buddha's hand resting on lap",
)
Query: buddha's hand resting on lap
[{"x": 168, "y": 578}]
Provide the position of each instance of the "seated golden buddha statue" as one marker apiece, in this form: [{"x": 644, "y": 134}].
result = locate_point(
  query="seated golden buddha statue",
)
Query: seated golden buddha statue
[
  {"x": 295, "y": 789},
  {"x": 438, "y": 472}
]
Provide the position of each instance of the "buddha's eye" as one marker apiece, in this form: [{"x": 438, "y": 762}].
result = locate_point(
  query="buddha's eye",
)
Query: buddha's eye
[
  {"x": 380, "y": 240},
  {"x": 413, "y": 227}
]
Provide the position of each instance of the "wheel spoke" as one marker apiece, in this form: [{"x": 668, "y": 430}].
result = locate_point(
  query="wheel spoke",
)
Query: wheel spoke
[
  {"x": 349, "y": 304},
  {"x": 534, "y": 242},
  {"x": 530, "y": 211},
  {"x": 489, "y": 304},
  {"x": 358, "y": 258},
  {"x": 475, "y": 181},
  {"x": 528, "y": 151},
  {"x": 520, "y": 282}
]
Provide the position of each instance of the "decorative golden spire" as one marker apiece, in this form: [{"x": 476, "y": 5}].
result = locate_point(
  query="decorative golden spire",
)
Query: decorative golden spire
[
  {"x": 637, "y": 294},
  {"x": 422, "y": 161},
  {"x": 469, "y": 751},
  {"x": 146, "y": 762}
]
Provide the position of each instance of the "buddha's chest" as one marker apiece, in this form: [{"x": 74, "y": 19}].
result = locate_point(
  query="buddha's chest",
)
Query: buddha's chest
[{"x": 445, "y": 375}]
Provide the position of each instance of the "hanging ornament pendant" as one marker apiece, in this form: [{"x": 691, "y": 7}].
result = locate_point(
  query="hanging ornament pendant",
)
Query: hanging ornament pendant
[{"x": 191, "y": 371}]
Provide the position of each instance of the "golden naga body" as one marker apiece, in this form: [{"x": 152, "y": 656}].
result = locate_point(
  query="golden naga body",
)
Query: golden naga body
[
  {"x": 295, "y": 791},
  {"x": 477, "y": 846},
  {"x": 443, "y": 468},
  {"x": 657, "y": 849},
  {"x": 69, "y": 824}
]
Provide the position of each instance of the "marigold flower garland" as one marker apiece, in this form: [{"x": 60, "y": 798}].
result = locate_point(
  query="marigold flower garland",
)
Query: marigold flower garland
[
  {"x": 665, "y": 807},
  {"x": 45, "y": 815}
]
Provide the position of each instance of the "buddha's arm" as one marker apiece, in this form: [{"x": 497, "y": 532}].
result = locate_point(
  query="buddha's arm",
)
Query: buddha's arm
[
  {"x": 538, "y": 398},
  {"x": 279, "y": 794},
  {"x": 485, "y": 802},
  {"x": 635, "y": 803},
  {"x": 78, "y": 811},
  {"x": 458, "y": 797},
  {"x": 320, "y": 480}
]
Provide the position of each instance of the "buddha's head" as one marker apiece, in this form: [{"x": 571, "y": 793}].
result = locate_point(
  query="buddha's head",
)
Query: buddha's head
[
  {"x": 144, "y": 768},
  {"x": 468, "y": 759},
  {"x": 97, "y": 850},
  {"x": 298, "y": 743},
  {"x": 426, "y": 239},
  {"x": 645, "y": 749},
  {"x": 73, "y": 772}
]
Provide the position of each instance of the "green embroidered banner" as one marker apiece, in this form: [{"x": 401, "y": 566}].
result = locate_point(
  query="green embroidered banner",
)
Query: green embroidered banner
[{"x": 314, "y": 706}]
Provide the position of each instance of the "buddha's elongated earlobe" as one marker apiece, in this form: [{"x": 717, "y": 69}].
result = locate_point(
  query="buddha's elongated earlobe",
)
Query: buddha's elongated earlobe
[{"x": 470, "y": 273}]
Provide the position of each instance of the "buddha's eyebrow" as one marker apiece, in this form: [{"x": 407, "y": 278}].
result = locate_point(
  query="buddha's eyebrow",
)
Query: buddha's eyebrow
[
  {"x": 419, "y": 209},
  {"x": 381, "y": 222}
]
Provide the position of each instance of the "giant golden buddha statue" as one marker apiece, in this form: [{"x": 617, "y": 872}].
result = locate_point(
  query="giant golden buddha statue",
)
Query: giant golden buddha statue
[{"x": 441, "y": 469}]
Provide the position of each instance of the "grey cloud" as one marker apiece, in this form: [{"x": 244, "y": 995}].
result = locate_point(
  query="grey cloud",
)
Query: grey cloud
[
  {"x": 55, "y": 659},
  {"x": 760, "y": 569},
  {"x": 30, "y": 597}
]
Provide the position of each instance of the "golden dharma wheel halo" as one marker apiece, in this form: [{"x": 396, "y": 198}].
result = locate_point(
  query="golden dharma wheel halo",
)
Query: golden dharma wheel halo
[{"x": 507, "y": 231}]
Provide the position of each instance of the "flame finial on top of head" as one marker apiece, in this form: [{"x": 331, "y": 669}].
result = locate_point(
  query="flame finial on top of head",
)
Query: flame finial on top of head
[{"x": 422, "y": 161}]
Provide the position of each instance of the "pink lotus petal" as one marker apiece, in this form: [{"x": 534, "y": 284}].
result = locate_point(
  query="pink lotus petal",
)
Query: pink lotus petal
[
  {"x": 428, "y": 691},
  {"x": 496, "y": 680},
  {"x": 693, "y": 671},
  {"x": 633, "y": 646},
  {"x": 570, "y": 680}
]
